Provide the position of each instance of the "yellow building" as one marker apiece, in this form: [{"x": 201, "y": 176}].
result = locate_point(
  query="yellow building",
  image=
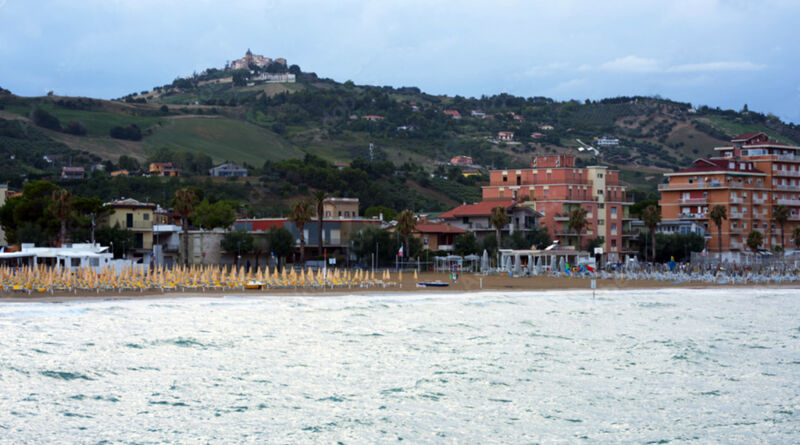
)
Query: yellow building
[
  {"x": 340, "y": 208},
  {"x": 137, "y": 217}
]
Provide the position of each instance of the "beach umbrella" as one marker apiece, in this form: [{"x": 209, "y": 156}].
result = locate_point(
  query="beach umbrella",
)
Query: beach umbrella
[{"x": 485, "y": 261}]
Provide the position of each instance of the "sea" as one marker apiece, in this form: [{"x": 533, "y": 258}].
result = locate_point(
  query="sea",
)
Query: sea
[{"x": 625, "y": 366}]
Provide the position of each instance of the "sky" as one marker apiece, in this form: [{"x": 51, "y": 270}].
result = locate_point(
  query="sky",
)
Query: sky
[{"x": 724, "y": 53}]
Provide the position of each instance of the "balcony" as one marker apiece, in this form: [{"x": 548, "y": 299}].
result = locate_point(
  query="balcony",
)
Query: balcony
[
  {"x": 737, "y": 215},
  {"x": 789, "y": 202},
  {"x": 736, "y": 200},
  {"x": 693, "y": 216},
  {"x": 560, "y": 217},
  {"x": 693, "y": 201},
  {"x": 736, "y": 245},
  {"x": 795, "y": 174},
  {"x": 759, "y": 201},
  {"x": 629, "y": 234},
  {"x": 786, "y": 187}
]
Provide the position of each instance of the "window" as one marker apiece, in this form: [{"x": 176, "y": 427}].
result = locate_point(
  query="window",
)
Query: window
[
  {"x": 613, "y": 212},
  {"x": 75, "y": 262},
  {"x": 328, "y": 213},
  {"x": 146, "y": 217},
  {"x": 129, "y": 220}
]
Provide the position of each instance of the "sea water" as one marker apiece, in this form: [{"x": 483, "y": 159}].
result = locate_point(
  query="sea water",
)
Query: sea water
[{"x": 655, "y": 366}]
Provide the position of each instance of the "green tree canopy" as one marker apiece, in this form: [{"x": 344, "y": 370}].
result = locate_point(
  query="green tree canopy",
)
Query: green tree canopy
[{"x": 211, "y": 216}]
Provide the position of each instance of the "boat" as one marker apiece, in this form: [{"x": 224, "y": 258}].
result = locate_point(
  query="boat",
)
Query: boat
[{"x": 436, "y": 283}]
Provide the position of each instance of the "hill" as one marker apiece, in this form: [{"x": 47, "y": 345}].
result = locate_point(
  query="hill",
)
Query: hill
[{"x": 231, "y": 116}]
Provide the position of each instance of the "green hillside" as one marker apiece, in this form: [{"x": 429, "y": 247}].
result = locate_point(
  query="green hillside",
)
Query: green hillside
[{"x": 223, "y": 139}]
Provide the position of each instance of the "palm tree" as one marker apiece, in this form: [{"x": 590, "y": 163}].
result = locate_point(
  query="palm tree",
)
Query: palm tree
[
  {"x": 300, "y": 216},
  {"x": 780, "y": 213},
  {"x": 651, "y": 216},
  {"x": 61, "y": 208},
  {"x": 318, "y": 198},
  {"x": 754, "y": 240},
  {"x": 406, "y": 223},
  {"x": 577, "y": 222},
  {"x": 796, "y": 237},
  {"x": 498, "y": 219},
  {"x": 183, "y": 203},
  {"x": 718, "y": 213}
]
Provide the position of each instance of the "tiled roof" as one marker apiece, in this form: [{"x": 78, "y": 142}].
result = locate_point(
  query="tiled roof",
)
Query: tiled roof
[
  {"x": 483, "y": 208},
  {"x": 715, "y": 165},
  {"x": 437, "y": 228},
  {"x": 747, "y": 136}
]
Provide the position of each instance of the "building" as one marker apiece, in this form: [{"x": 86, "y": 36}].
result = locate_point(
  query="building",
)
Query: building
[
  {"x": 537, "y": 135},
  {"x": 122, "y": 172},
  {"x": 461, "y": 160},
  {"x": 683, "y": 227},
  {"x": 137, "y": 217},
  {"x": 437, "y": 236},
  {"x": 73, "y": 256},
  {"x": 72, "y": 172},
  {"x": 555, "y": 187},
  {"x": 164, "y": 169},
  {"x": 373, "y": 117},
  {"x": 546, "y": 127},
  {"x": 476, "y": 218},
  {"x": 254, "y": 60},
  {"x": 228, "y": 169},
  {"x": 607, "y": 142},
  {"x": 749, "y": 178},
  {"x": 478, "y": 114},
  {"x": 3, "y": 198},
  {"x": 453, "y": 113},
  {"x": 339, "y": 208},
  {"x": 274, "y": 78},
  {"x": 505, "y": 136}
]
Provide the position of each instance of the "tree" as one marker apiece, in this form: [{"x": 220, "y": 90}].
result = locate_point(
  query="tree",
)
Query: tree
[
  {"x": 780, "y": 213},
  {"x": 131, "y": 132},
  {"x": 210, "y": 216},
  {"x": 577, "y": 222},
  {"x": 183, "y": 203},
  {"x": 115, "y": 237},
  {"x": 75, "y": 128},
  {"x": 538, "y": 237},
  {"x": 318, "y": 199},
  {"x": 366, "y": 242},
  {"x": 596, "y": 242},
  {"x": 46, "y": 120},
  {"x": 406, "y": 224},
  {"x": 718, "y": 213},
  {"x": 300, "y": 216},
  {"x": 651, "y": 216},
  {"x": 466, "y": 244},
  {"x": 61, "y": 207},
  {"x": 237, "y": 241},
  {"x": 498, "y": 220},
  {"x": 280, "y": 242},
  {"x": 375, "y": 211},
  {"x": 32, "y": 211},
  {"x": 754, "y": 240},
  {"x": 796, "y": 237},
  {"x": 128, "y": 163}
]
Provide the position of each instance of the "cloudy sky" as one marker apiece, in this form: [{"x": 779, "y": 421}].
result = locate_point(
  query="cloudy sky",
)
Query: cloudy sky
[{"x": 709, "y": 52}]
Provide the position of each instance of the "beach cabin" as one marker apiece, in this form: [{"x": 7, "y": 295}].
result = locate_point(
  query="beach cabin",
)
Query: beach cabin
[{"x": 73, "y": 256}]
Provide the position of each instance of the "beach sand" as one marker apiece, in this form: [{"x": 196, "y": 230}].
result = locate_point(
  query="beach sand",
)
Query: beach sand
[{"x": 465, "y": 283}]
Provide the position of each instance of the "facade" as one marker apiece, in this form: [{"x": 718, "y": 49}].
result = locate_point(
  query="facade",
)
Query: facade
[
  {"x": 554, "y": 187},
  {"x": 476, "y": 217},
  {"x": 339, "y": 208},
  {"x": 72, "y": 172},
  {"x": 749, "y": 178},
  {"x": 3, "y": 197},
  {"x": 505, "y": 136},
  {"x": 437, "y": 236},
  {"x": 137, "y": 217},
  {"x": 373, "y": 117},
  {"x": 252, "y": 59},
  {"x": 228, "y": 169},
  {"x": 163, "y": 169}
]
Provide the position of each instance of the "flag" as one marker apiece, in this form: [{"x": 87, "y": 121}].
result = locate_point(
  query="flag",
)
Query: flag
[{"x": 400, "y": 252}]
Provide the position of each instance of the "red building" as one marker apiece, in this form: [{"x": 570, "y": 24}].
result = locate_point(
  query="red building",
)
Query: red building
[{"x": 555, "y": 187}]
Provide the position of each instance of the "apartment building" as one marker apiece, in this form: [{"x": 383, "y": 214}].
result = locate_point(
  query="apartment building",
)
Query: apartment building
[
  {"x": 749, "y": 178},
  {"x": 555, "y": 187}
]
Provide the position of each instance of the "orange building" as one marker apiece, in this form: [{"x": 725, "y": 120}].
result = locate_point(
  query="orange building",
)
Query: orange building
[
  {"x": 556, "y": 187},
  {"x": 749, "y": 178},
  {"x": 164, "y": 169}
]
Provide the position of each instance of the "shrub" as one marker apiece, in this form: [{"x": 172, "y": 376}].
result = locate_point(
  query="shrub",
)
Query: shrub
[
  {"x": 76, "y": 128},
  {"x": 131, "y": 133},
  {"x": 46, "y": 120}
]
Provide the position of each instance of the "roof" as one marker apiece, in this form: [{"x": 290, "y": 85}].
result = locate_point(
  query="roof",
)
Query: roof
[
  {"x": 228, "y": 165},
  {"x": 129, "y": 202},
  {"x": 747, "y": 136},
  {"x": 72, "y": 169},
  {"x": 437, "y": 228},
  {"x": 719, "y": 165},
  {"x": 483, "y": 208}
]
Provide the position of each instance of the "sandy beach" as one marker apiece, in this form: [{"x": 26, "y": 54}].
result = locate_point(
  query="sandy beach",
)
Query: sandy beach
[{"x": 465, "y": 283}]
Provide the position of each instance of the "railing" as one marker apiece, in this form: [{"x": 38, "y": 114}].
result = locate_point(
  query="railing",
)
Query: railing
[
  {"x": 785, "y": 173},
  {"x": 787, "y": 187},
  {"x": 759, "y": 201},
  {"x": 694, "y": 216},
  {"x": 560, "y": 217},
  {"x": 715, "y": 185},
  {"x": 736, "y": 200},
  {"x": 789, "y": 202},
  {"x": 693, "y": 200},
  {"x": 737, "y": 215},
  {"x": 736, "y": 245}
]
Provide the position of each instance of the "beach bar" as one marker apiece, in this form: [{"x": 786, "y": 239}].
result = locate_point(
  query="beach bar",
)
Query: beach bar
[{"x": 534, "y": 262}]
